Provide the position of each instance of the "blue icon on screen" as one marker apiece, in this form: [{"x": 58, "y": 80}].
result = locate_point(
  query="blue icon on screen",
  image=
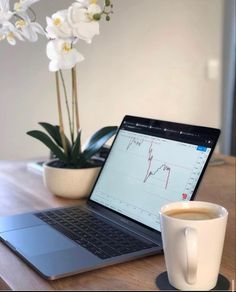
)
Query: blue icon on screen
[{"x": 202, "y": 148}]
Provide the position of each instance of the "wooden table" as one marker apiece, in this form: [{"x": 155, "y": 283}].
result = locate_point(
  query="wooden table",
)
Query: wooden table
[{"x": 22, "y": 191}]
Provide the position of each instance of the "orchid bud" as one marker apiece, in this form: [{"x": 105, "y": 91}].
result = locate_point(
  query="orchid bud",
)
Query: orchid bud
[
  {"x": 107, "y": 2},
  {"x": 97, "y": 16}
]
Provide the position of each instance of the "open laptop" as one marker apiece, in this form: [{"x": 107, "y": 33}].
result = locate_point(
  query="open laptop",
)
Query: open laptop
[{"x": 151, "y": 163}]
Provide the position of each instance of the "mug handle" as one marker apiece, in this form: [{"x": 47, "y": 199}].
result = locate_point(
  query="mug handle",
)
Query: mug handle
[{"x": 192, "y": 254}]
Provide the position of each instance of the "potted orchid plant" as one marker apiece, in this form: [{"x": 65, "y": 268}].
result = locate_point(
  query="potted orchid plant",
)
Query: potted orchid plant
[{"x": 73, "y": 171}]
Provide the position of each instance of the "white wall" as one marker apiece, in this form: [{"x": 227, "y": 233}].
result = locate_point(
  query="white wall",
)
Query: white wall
[{"x": 149, "y": 60}]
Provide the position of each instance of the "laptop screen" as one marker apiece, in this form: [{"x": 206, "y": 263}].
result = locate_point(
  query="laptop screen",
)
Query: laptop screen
[{"x": 152, "y": 163}]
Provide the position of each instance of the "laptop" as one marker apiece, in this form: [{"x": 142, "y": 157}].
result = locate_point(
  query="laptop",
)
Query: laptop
[{"x": 151, "y": 163}]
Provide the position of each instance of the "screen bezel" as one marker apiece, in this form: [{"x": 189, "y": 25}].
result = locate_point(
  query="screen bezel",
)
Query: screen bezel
[{"x": 213, "y": 133}]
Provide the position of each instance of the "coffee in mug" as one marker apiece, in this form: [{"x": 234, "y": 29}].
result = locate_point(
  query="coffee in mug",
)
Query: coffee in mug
[
  {"x": 193, "y": 237},
  {"x": 193, "y": 214}
]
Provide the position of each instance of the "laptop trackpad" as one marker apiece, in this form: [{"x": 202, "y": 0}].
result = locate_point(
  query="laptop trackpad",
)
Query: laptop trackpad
[{"x": 37, "y": 240}]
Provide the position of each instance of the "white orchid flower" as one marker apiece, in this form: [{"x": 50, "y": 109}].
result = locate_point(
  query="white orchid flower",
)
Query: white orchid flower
[
  {"x": 82, "y": 22},
  {"x": 93, "y": 9},
  {"x": 58, "y": 26},
  {"x": 29, "y": 30},
  {"x": 62, "y": 55},
  {"x": 83, "y": 14},
  {"x": 4, "y": 5},
  {"x": 10, "y": 33},
  {"x": 5, "y": 13},
  {"x": 23, "y": 5},
  {"x": 77, "y": 14},
  {"x": 32, "y": 30},
  {"x": 86, "y": 3},
  {"x": 83, "y": 3},
  {"x": 86, "y": 31}
]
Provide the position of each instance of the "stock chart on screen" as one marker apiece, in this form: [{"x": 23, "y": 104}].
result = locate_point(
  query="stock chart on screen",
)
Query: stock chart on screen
[{"x": 143, "y": 173}]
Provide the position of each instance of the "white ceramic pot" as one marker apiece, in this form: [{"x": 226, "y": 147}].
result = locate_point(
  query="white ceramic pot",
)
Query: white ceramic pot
[{"x": 69, "y": 183}]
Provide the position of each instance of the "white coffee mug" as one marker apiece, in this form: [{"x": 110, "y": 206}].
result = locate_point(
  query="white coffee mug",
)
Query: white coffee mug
[{"x": 193, "y": 243}]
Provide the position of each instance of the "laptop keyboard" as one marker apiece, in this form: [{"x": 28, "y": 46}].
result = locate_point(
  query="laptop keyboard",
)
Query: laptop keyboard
[{"x": 102, "y": 239}]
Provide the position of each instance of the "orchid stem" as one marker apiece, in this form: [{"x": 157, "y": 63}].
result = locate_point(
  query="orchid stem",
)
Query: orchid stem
[
  {"x": 33, "y": 13},
  {"x": 75, "y": 94},
  {"x": 73, "y": 103},
  {"x": 67, "y": 107},
  {"x": 61, "y": 126}
]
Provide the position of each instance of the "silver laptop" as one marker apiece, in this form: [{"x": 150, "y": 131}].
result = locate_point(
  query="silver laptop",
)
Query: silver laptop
[{"x": 151, "y": 163}]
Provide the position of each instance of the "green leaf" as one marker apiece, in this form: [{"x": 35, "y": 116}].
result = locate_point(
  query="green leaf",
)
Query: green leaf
[
  {"x": 54, "y": 132},
  {"x": 76, "y": 149},
  {"x": 97, "y": 141},
  {"x": 46, "y": 140}
]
